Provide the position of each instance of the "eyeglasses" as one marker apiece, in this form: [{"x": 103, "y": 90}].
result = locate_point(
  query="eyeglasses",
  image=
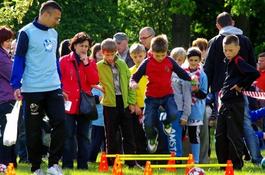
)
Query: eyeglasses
[{"x": 144, "y": 38}]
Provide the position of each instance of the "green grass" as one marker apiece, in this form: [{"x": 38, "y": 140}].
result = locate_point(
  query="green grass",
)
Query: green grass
[{"x": 248, "y": 169}]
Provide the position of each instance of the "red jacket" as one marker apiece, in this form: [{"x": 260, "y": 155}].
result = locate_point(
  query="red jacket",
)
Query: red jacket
[
  {"x": 88, "y": 76},
  {"x": 159, "y": 75}
]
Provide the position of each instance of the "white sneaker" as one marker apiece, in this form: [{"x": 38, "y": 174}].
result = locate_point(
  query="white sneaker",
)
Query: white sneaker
[
  {"x": 55, "y": 170},
  {"x": 167, "y": 129},
  {"x": 152, "y": 144},
  {"x": 39, "y": 172}
]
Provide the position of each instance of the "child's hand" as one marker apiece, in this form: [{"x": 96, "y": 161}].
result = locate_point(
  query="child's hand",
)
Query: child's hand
[
  {"x": 98, "y": 87},
  {"x": 239, "y": 89},
  {"x": 182, "y": 122},
  {"x": 194, "y": 80},
  {"x": 138, "y": 110},
  {"x": 132, "y": 108},
  {"x": 194, "y": 88},
  {"x": 133, "y": 85}
]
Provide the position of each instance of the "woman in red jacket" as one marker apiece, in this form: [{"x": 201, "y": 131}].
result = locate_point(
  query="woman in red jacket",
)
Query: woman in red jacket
[{"x": 88, "y": 74}]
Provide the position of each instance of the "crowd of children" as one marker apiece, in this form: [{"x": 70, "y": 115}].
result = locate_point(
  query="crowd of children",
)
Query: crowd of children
[{"x": 135, "y": 90}]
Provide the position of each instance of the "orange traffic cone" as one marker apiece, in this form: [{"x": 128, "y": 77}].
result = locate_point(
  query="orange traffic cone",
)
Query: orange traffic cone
[
  {"x": 190, "y": 162},
  {"x": 117, "y": 170},
  {"x": 171, "y": 162},
  {"x": 148, "y": 169},
  {"x": 229, "y": 168},
  {"x": 10, "y": 169},
  {"x": 103, "y": 165}
]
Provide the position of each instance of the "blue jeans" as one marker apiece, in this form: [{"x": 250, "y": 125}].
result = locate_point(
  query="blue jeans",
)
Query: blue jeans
[
  {"x": 7, "y": 153},
  {"x": 250, "y": 137},
  {"x": 150, "y": 112},
  {"x": 81, "y": 125}
]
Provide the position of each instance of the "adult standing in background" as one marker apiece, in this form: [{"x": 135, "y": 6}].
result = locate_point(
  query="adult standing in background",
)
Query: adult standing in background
[
  {"x": 215, "y": 70},
  {"x": 7, "y": 100},
  {"x": 77, "y": 61},
  {"x": 36, "y": 75},
  {"x": 145, "y": 36},
  {"x": 121, "y": 40}
]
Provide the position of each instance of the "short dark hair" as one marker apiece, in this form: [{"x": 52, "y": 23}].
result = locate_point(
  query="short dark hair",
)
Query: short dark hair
[
  {"x": 159, "y": 44},
  {"x": 79, "y": 38},
  {"x": 194, "y": 51},
  {"x": 231, "y": 39},
  {"x": 224, "y": 19},
  {"x": 48, "y": 5},
  {"x": 5, "y": 34},
  {"x": 64, "y": 47}
]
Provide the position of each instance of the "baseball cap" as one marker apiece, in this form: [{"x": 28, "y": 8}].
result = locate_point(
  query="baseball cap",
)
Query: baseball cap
[{"x": 119, "y": 37}]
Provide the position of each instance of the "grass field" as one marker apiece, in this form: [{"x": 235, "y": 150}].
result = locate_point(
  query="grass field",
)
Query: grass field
[{"x": 248, "y": 169}]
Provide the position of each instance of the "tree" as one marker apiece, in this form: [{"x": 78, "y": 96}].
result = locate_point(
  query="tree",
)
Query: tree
[{"x": 13, "y": 11}]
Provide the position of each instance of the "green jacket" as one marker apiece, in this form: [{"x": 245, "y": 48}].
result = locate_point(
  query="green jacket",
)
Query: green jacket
[{"x": 107, "y": 82}]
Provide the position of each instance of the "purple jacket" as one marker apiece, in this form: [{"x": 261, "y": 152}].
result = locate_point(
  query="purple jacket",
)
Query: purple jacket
[{"x": 6, "y": 90}]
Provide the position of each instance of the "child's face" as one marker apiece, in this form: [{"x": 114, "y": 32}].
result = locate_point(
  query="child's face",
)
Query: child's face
[
  {"x": 99, "y": 55},
  {"x": 109, "y": 56},
  {"x": 138, "y": 58},
  {"x": 159, "y": 56},
  {"x": 179, "y": 60},
  {"x": 230, "y": 50},
  {"x": 194, "y": 62}
]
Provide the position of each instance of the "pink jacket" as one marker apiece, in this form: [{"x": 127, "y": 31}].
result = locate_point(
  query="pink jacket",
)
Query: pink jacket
[{"x": 88, "y": 76}]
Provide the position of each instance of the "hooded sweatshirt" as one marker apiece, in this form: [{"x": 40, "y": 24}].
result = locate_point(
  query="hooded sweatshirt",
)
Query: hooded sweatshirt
[{"x": 215, "y": 65}]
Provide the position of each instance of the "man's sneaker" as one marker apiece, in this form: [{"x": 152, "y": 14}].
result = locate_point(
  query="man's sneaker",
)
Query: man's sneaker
[
  {"x": 38, "y": 172},
  {"x": 152, "y": 144},
  {"x": 167, "y": 129},
  {"x": 55, "y": 170}
]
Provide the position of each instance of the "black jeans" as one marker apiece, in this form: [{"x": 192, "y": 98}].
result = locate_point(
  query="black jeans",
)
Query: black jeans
[
  {"x": 119, "y": 118},
  {"x": 229, "y": 134},
  {"x": 36, "y": 105}
]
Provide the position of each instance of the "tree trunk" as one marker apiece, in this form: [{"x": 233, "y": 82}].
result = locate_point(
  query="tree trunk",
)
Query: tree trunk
[
  {"x": 180, "y": 30},
  {"x": 242, "y": 22}
]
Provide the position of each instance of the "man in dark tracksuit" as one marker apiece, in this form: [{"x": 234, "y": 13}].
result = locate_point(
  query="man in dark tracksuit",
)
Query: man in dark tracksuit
[{"x": 215, "y": 70}]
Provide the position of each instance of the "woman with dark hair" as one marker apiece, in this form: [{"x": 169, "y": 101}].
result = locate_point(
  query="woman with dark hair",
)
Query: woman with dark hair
[
  {"x": 88, "y": 75},
  {"x": 7, "y": 99},
  {"x": 64, "y": 48}
]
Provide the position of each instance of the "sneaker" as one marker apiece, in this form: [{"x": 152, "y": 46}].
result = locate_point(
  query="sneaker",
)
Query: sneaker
[
  {"x": 152, "y": 144},
  {"x": 167, "y": 129},
  {"x": 55, "y": 170},
  {"x": 39, "y": 172}
]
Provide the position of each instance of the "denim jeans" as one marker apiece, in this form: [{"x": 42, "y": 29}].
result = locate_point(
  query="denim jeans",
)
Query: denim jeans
[
  {"x": 7, "y": 153},
  {"x": 250, "y": 137},
  {"x": 150, "y": 112},
  {"x": 81, "y": 125}
]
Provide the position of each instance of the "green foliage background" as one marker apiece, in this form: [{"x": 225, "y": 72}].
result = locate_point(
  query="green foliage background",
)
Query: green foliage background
[{"x": 103, "y": 18}]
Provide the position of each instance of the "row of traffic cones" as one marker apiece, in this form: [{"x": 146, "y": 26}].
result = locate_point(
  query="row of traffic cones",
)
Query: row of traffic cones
[
  {"x": 229, "y": 167},
  {"x": 117, "y": 168},
  {"x": 103, "y": 165}
]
